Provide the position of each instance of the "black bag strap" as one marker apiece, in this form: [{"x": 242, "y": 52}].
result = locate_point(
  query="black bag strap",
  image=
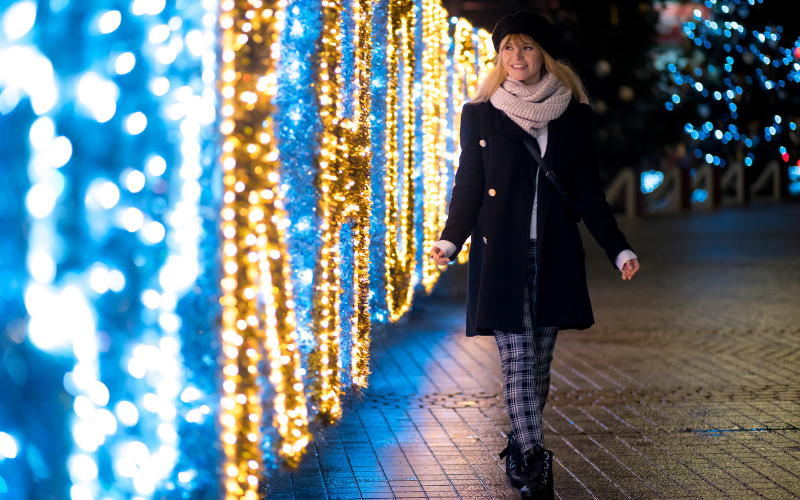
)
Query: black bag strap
[{"x": 551, "y": 176}]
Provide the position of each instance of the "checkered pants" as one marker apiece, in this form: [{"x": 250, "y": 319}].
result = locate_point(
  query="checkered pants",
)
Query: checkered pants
[{"x": 526, "y": 361}]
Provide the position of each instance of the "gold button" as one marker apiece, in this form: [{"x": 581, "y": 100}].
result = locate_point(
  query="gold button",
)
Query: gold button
[
  {"x": 484, "y": 240},
  {"x": 492, "y": 192},
  {"x": 483, "y": 143}
]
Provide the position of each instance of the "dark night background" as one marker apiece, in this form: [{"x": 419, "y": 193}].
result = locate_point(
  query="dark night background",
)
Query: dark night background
[{"x": 613, "y": 47}]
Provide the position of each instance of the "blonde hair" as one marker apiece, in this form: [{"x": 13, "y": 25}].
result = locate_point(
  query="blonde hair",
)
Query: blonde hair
[{"x": 497, "y": 75}]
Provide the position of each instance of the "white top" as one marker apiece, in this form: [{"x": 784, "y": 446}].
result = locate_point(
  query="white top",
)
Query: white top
[
  {"x": 449, "y": 248},
  {"x": 542, "y": 140}
]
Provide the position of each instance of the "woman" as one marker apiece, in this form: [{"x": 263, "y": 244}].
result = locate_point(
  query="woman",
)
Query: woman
[{"x": 527, "y": 278}]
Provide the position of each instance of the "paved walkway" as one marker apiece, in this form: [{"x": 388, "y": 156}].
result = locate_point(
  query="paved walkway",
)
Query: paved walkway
[{"x": 687, "y": 387}]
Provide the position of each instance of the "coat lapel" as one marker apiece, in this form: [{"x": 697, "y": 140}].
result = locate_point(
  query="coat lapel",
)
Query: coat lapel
[
  {"x": 509, "y": 127},
  {"x": 565, "y": 137}
]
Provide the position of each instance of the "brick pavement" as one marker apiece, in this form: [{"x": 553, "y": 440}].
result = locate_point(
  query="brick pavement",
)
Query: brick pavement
[{"x": 688, "y": 386}]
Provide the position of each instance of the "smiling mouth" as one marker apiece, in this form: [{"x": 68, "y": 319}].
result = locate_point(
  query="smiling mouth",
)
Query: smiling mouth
[{"x": 519, "y": 66}]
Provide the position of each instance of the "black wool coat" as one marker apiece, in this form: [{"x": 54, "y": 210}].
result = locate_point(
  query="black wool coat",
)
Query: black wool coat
[{"x": 492, "y": 201}]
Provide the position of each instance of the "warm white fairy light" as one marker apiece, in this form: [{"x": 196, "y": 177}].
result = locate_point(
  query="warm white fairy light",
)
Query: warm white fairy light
[
  {"x": 399, "y": 218},
  {"x": 257, "y": 320},
  {"x": 434, "y": 118}
]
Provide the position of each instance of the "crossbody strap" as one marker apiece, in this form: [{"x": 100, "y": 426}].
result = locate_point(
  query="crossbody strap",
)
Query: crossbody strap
[{"x": 551, "y": 176}]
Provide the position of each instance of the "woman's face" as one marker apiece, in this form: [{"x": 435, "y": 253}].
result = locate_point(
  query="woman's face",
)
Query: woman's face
[{"x": 523, "y": 62}]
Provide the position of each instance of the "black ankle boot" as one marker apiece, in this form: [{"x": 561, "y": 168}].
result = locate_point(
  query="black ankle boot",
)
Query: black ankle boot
[
  {"x": 515, "y": 463},
  {"x": 539, "y": 464}
]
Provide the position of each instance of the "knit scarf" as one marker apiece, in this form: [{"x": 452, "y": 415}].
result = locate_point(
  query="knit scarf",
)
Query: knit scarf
[{"x": 532, "y": 106}]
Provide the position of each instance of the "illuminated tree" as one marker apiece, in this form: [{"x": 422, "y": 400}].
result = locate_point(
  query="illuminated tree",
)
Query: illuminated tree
[{"x": 732, "y": 86}]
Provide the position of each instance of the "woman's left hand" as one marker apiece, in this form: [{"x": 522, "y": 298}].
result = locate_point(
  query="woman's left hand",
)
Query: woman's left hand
[{"x": 630, "y": 268}]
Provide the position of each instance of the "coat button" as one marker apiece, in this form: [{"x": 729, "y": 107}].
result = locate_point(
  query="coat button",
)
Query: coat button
[
  {"x": 492, "y": 192},
  {"x": 484, "y": 240},
  {"x": 483, "y": 143}
]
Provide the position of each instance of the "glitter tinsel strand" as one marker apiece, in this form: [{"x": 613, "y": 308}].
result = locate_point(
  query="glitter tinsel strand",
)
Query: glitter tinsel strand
[
  {"x": 258, "y": 321},
  {"x": 399, "y": 177},
  {"x": 379, "y": 88},
  {"x": 322, "y": 371},
  {"x": 359, "y": 192}
]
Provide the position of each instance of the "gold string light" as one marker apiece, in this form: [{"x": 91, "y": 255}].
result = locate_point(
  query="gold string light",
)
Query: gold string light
[
  {"x": 399, "y": 220},
  {"x": 359, "y": 192},
  {"x": 322, "y": 360},
  {"x": 344, "y": 184},
  {"x": 465, "y": 62},
  {"x": 434, "y": 123},
  {"x": 485, "y": 54},
  {"x": 257, "y": 317},
  {"x": 444, "y": 130}
]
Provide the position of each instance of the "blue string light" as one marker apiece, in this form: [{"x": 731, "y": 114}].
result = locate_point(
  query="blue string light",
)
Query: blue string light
[
  {"x": 297, "y": 127},
  {"x": 378, "y": 86}
]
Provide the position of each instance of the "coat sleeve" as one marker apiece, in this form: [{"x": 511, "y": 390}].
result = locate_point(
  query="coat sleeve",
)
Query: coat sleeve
[
  {"x": 467, "y": 196},
  {"x": 588, "y": 192}
]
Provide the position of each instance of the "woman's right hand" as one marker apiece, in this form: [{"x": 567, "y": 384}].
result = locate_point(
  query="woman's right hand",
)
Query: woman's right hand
[{"x": 437, "y": 254}]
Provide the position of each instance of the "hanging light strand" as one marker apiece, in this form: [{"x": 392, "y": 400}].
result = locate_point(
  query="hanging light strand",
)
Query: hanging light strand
[
  {"x": 257, "y": 318},
  {"x": 399, "y": 220},
  {"x": 322, "y": 360},
  {"x": 485, "y": 55},
  {"x": 358, "y": 191},
  {"x": 435, "y": 105}
]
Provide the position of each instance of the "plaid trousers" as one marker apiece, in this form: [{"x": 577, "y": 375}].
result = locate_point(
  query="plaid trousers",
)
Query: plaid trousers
[{"x": 525, "y": 359}]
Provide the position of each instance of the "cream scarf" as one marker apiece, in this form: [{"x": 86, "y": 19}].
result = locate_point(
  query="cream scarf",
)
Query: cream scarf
[{"x": 532, "y": 106}]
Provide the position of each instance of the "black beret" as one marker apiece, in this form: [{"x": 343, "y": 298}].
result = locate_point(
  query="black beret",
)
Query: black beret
[{"x": 531, "y": 24}]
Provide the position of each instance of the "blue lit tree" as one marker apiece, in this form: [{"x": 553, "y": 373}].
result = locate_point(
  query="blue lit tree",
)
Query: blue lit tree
[{"x": 733, "y": 86}]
